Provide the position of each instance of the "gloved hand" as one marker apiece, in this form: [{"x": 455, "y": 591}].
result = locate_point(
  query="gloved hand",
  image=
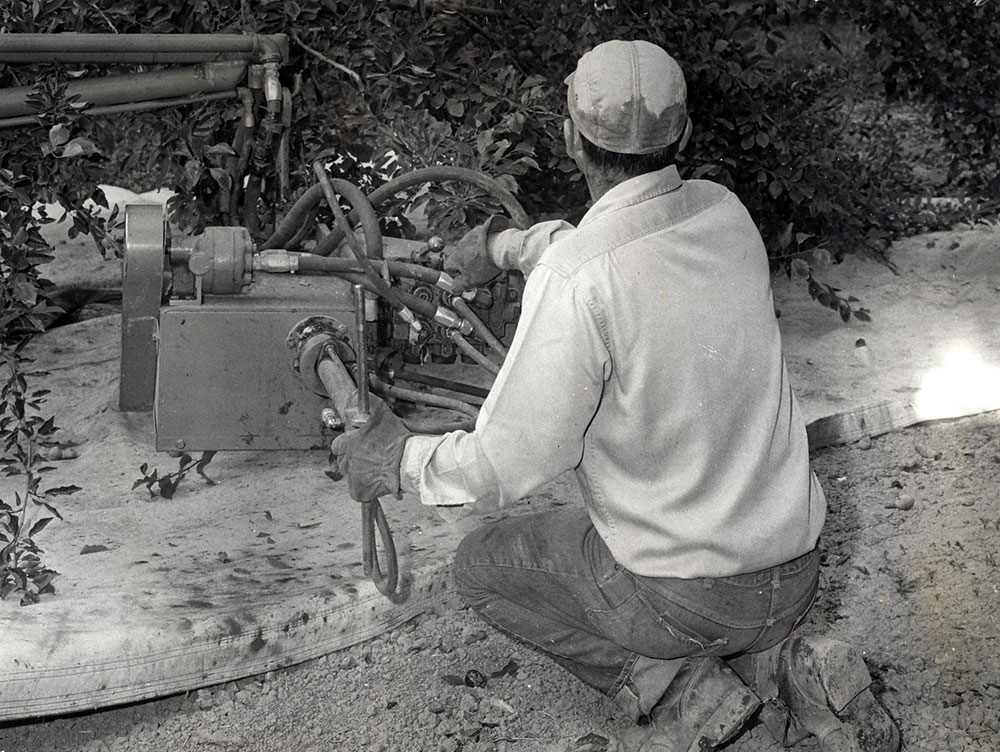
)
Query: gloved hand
[
  {"x": 469, "y": 262},
  {"x": 369, "y": 457}
]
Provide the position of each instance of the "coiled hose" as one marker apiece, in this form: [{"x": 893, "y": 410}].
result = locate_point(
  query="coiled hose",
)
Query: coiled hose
[
  {"x": 372, "y": 233},
  {"x": 365, "y": 268},
  {"x": 303, "y": 210}
]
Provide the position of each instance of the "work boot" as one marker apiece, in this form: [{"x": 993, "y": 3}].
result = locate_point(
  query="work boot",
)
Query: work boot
[
  {"x": 819, "y": 687},
  {"x": 706, "y": 705}
]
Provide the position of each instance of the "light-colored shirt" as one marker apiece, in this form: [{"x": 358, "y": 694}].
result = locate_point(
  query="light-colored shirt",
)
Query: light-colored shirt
[{"x": 648, "y": 360}]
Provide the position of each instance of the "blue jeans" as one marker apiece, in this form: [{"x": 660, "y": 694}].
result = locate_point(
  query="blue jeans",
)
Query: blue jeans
[{"x": 549, "y": 580}]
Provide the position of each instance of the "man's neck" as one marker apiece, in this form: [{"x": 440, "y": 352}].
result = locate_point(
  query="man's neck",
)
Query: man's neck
[{"x": 600, "y": 181}]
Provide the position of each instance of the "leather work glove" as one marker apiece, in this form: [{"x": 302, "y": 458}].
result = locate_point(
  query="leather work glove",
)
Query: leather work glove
[
  {"x": 469, "y": 263},
  {"x": 370, "y": 456}
]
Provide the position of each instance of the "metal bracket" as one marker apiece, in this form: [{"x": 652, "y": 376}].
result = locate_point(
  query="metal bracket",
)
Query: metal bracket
[{"x": 142, "y": 291}]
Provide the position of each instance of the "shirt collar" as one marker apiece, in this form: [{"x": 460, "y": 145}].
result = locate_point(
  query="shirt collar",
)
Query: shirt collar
[{"x": 635, "y": 190}]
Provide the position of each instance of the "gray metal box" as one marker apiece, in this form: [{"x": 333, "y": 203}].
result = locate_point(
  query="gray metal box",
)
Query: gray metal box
[{"x": 224, "y": 376}]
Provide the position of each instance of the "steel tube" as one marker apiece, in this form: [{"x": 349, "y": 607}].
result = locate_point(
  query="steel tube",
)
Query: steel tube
[
  {"x": 137, "y": 87},
  {"x": 466, "y": 347},
  {"x": 340, "y": 388},
  {"x": 117, "y": 109},
  {"x": 136, "y": 48},
  {"x": 462, "y": 308},
  {"x": 427, "y": 398},
  {"x": 113, "y": 58},
  {"x": 455, "y": 386}
]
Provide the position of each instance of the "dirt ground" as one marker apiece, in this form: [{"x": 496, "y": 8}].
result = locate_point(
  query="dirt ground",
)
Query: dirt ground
[
  {"x": 916, "y": 589},
  {"x": 909, "y": 576}
]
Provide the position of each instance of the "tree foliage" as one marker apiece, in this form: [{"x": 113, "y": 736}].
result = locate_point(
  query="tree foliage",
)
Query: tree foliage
[
  {"x": 785, "y": 115},
  {"x": 399, "y": 84},
  {"x": 944, "y": 55}
]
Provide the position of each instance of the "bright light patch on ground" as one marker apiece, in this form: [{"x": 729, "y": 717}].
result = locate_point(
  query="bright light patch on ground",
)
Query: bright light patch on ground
[{"x": 962, "y": 385}]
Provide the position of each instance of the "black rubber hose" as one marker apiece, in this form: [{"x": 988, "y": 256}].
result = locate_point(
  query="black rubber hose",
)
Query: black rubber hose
[
  {"x": 471, "y": 352},
  {"x": 419, "y": 306},
  {"x": 426, "y": 398},
  {"x": 292, "y": 221},
  {"x": 455, "y": 386},
  {"x": 373, "y": 236},
  {"x": 312, "y": 263},
  {"x": 298, "y": 215},
  {"x": 363, "y": 209},
  {"x": 269, "y": 127},
  {"x": 463, "y": 310},
  {"x": 431, "y": 175}
]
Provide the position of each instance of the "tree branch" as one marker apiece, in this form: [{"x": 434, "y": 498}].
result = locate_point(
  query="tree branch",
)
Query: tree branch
[{"x": 329, "y": 61}]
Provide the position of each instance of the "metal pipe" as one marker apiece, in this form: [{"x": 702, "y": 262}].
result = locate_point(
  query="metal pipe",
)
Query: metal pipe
[
  {"x": 340, "y": 388},
  {"x": 434, "y": 381},
  {"x": 137, "y": 87},
  {"x": 308, "y": 262},
  {"x": 427, "y": 398},
  {"x": 113, "y": 58},
  {"x": 468, "y": 350},
  {"x": 361, "y": 342},
  {"x": 72, "y": 47},
  {"x": 483, "y": 331},
  {"x": 118, "y": 109}
]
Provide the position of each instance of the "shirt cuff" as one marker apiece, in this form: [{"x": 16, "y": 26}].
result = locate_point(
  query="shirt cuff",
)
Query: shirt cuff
[{"x": 447, "y": 471}]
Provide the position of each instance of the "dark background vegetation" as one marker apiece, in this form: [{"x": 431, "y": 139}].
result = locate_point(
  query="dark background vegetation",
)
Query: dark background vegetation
[
  {"x": 804, "y": 108},
  {"x": 834, "y": 122}
]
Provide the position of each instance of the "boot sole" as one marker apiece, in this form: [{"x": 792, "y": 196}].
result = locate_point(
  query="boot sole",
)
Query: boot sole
[
  {"x": 727, "y": 720},
  {"x": 841, "y": 711},
  {"x": 842, "y": 671}
]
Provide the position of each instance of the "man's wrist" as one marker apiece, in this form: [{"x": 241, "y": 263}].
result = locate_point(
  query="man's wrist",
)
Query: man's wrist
[{"x": 409, "y": 469}]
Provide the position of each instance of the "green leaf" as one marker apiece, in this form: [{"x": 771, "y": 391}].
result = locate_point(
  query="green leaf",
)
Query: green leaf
[
  {"x": 39, "y": 526},
  {"x": 167, "y": 487},
  {"x": 79, "y": 147},
  {"x": 220, "y": 149},
  {"x": 222, "y": 178},
  {"x": 58, "y": 135},
  {"x": 61, "y": 491}
]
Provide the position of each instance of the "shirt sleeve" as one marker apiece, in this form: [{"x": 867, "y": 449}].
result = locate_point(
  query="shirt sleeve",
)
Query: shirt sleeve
[
  {"x": 531, "y": 427},
  {"x": 521, "y": 250}
]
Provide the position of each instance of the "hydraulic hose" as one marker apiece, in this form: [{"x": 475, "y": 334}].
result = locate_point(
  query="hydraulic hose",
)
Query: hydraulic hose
[
  {"x": 416, "y": 377},
  {"x": 483, "y": 331},
  {"x": 427, "y": 398},
  {"x": 436, "y": 174},
  {"x": 281, "y": 261},
  {"x": 243, "y": 146},
  {"x": 467, "y": 349},
  {"x": 373, "y": 235},
  {"x": 363, "y": 210},
  {"x": 300, "y": 214},
  {"x": 300, "y": 210},
  {"x": 307, "y": 262},
  {"x": 424, "y": 308}
]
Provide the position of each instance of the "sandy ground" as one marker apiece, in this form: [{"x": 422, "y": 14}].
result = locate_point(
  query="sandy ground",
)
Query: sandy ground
[{"x": 916, "y": 589}]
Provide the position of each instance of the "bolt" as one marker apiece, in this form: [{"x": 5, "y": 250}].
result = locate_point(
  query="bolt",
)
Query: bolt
[
  {"x": 330, "y": 418},
  {"x": 180, "y": 444}
]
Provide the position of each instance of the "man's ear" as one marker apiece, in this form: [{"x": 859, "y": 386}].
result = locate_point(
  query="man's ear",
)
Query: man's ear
[
  {"x": 571, "y": 136},
  {"x": 686, "y": 136}
]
